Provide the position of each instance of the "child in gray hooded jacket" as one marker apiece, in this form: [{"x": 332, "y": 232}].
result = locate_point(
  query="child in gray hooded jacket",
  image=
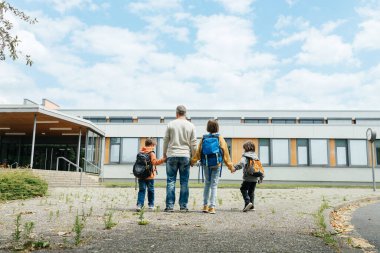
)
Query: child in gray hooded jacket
[{"x": 248, "y": 186}]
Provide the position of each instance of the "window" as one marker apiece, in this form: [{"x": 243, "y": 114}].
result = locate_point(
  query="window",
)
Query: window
[
  {"x": 339, "y": 121},
  {"x": 283, "y": 121},
  {"x": 311, "y": 121},
  {"x": 115, "y": 150},
  {"x": 377, "y": 151},
  {"x": 229, "y": 145},
  {"x": 303, "y": 151},
  {"x": 96, "y": 119},
  {"x": 256, "y": 121},
  {"x": 121, "y": 120},
  {"x": 130, "y": 147},
  {"x": 370, "y": 122},
  {"x": 264, "y": 151},
  {"x": 168, "y": 119},
  {"x": 229, "y": 120},
  {"x": 160, "y": 148},
  {"x": 149, "y": 120},
  {"x": 341, "y": 152},
  {"x": 358, "y": 153},
  {"x": 318, "y": 152},
  {"x": 200, "y": 121},
  {"x": 280, "y": 151},
  {"x": 123, "y": 150}
]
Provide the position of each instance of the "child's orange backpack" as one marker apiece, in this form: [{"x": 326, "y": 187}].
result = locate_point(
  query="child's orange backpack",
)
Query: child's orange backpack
[{"x": 254, "y": 168}]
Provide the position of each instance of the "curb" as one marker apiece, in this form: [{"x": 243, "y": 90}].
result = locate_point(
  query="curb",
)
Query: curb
[{"x": 330, "y": 228}]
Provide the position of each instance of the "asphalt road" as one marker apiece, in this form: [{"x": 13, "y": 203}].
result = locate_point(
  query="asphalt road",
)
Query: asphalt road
[{"x": 367, "y": 223}]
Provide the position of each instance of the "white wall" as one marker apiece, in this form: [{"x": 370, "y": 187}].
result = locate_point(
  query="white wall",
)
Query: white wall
[
  {"x": 272, "y": 173},
  {"x": 246, "y": 131}
]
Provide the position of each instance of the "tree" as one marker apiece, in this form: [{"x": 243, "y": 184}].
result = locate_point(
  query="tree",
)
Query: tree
[{"x": 8, "y": 41}]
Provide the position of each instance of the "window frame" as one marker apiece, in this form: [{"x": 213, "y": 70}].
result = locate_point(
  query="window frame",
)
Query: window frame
[
  {"x": 327, "y": 153},
  {"x": 307, "y": 152},
  {"x": 336, "y": 153},
  {"x": 121, "y": 149},
  {"x": 269, "y": 151},
  {"x": 349, "y": 152},
  {"x": 272, "y": 153}
]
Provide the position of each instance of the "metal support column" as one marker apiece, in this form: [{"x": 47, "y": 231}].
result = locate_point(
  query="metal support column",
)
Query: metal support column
[
  {"x": 101, "y": 172},
  {"x": 78, "y": 150},
  {"x": 33, "y": 140}
]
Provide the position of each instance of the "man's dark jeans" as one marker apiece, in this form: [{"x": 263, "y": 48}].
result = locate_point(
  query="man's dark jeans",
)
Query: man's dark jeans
[{"x": 173, "y": 165}]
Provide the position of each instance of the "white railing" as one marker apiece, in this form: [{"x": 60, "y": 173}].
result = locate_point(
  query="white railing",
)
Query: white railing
[
  {"x": 11, "y": 166},
  {"x": 71, "y": 163},
  {"x": 89, "y": 167}
]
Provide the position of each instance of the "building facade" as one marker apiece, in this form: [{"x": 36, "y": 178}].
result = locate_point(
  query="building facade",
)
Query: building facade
[{"x": 323, "y": 146}]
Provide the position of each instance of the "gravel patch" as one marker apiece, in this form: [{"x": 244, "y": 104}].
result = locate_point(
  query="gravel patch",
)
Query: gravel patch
[{"x": 283, "y": 221}]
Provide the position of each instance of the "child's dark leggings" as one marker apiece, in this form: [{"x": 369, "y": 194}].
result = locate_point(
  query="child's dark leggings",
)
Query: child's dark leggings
[{"x": 248, "y": 191}]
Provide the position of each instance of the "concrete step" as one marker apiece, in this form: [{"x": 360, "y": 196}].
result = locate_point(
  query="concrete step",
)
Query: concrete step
[{"x": 67, "y": 179}]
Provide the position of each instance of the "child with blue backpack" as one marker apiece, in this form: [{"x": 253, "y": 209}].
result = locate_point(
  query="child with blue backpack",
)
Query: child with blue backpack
[{"x": 212, "y": 151}]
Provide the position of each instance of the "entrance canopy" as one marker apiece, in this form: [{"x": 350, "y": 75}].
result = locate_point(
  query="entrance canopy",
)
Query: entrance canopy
[
  {"x": 26, "y": 127},
  {"x": 19, "y": 120}
]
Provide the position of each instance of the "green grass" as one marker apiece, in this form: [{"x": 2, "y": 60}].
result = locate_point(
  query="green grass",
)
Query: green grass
[
  {"x": 160, "y": 184},
  {"x": 322, "y": 232},
  {"x": 21, "y": 184}
]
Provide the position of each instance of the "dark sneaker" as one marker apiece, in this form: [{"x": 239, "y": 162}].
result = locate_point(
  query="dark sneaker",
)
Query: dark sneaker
[
  {"x": 184, "y": 209},
  {"x": 169, "y": 210},
  {"x": 247, "y": 207}
]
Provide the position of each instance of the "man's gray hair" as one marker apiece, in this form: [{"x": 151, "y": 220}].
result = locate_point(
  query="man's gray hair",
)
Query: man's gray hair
[{"x": 181, "y": 110}]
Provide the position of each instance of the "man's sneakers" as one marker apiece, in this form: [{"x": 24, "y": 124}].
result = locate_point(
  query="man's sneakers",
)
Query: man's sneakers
[
  {"x": 247, "y": 207},
  {"x": 169, "y": 210},
  {"x": 151, "y": 208},
  {"x": 138, "y": 208},
  {"x": 184, "y": 209}
]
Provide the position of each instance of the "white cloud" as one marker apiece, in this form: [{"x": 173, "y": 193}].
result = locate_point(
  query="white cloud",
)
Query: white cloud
[
  {"x": 225, "y": 38},
  {"x": 315, "y": 90},
  {"x": 154, "y": 5},
  {"x": 67, "y": 5},
  {"x": 368, "y": 38},
  {"x": 319, "y": 49},
  {"x": 162, "y": 24},
  {"x": 289, "y": 21},
  {"x": 291, "y": 2},
  {"x": 14, "y": 82},
  {"x": 237, "y": 6}
]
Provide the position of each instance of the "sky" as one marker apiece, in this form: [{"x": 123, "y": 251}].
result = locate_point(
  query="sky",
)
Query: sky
[{"x": 210, "y": 54}]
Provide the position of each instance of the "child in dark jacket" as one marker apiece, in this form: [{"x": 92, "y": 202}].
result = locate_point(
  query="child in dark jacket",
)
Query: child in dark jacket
[
  {"x": 148, "y": 182},
  {"x": 248, "y": 186}
]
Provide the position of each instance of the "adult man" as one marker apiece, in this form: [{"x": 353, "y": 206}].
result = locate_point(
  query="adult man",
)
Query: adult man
[{"x": 180, "y": 144}]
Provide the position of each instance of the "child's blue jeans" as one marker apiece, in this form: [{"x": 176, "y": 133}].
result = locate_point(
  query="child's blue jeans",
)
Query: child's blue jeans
[
  {"x": 143, "y": 185},
  {"x": 211, "y": 183}
]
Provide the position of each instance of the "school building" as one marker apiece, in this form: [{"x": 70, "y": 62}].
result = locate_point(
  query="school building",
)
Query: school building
[{"x": 293, "y": 145}]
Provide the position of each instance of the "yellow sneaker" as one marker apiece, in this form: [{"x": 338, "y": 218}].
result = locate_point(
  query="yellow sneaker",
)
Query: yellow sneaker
[
  {"x": 205, "y": 209},
  {"x": 212, "y": 210}
]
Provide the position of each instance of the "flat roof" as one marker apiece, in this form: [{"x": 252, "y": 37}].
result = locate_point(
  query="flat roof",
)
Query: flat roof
[{"x": 20, "y": 119}]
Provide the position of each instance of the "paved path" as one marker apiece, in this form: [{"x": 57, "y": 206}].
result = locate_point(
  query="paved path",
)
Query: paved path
[
  {"x": 367, "y": 223},
  {"x": 283, "y": 221}
]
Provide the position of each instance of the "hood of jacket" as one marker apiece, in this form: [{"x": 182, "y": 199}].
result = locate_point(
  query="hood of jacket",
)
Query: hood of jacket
[
  {"x": 147, "y": 149},
  {"x": 251, "y": 155}
]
